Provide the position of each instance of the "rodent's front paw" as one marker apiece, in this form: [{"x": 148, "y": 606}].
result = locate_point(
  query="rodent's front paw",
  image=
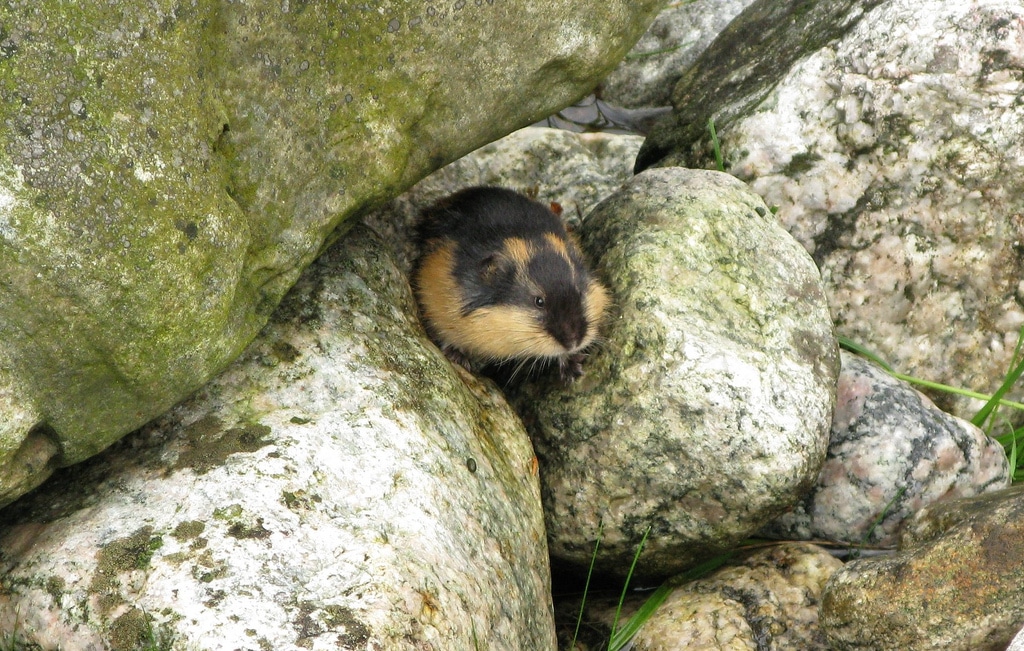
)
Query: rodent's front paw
[
  {"x": 570, "y": 368},
  {"x": 456, "y": 356}
]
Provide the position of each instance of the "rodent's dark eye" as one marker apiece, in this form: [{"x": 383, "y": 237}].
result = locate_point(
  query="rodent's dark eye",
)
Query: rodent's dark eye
[{"x": 539, "y": 301}]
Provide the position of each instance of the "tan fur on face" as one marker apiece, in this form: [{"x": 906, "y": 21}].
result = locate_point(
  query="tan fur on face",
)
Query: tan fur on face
[
  {"x": 501, "y": 332},
  {"x": 558, "y": 244},
  {"x": 496, "y": 332}
]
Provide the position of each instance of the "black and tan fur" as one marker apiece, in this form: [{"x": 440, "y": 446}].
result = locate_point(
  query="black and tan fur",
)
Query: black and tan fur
[{"x": 499, "y": 279}]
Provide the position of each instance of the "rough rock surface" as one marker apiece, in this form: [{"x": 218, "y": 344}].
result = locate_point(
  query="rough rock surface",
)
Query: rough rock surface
[
  {"x": 682, "y": 30},
  {"x": 957, "y": 584},
  {"x": 340, "y": 486},
  {"x": 706, "y": 411},
  {"x": 1018, "y": 642},
  {"x": 888, "y": 137},
  {"x": 740, "y": 68},
  {"x": 767, "y": 601},
  {"x": 168, "y": 168},
  {"x": 891, "y": 453}
]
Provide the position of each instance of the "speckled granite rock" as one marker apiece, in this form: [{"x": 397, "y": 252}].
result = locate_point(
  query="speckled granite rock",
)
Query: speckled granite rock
[
  {"x": 887, "y": 133},
  {"x": 706, "y": 412},
  {"x": 739, "y": 69},
  {"x": 892, "y": 452},
  {"x": 767, "y": 601},
  {"x": 168, "y": 168},
  {"x": 340, "y": 486},
  {"x": 957, "y": 583},
  {"x": 682, "y": 30}
]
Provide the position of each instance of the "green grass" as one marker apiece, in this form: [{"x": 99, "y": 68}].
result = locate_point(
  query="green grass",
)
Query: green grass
[
  {"x": 991, "y": 418},
  {"x": 621, "y": 635},
  {"x": 12, "y": 640},
  {"x": 612, "y": 646},
  {"x": 586, "y": 586},
  {"x": 855, "y": 552},
  {"x": 716, "y": 146}
]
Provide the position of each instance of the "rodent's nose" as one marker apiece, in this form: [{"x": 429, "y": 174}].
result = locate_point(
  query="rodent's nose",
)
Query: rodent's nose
[{"x": 570, "y": 334}]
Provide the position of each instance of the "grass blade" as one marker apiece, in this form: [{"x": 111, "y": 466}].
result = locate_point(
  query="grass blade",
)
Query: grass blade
[
  {"x": 622, "y": 636},
  {"x": 1013, "y": 455},
  {"x": 1010, "y": 443},
  {"x": 625, "y": 586},
  {"x": 855, "y": 552},
  {"x": 854, "y": 347},
  {"x": 716, "y": 146},
  {"x": 1016, "y": 369},
  {"x": 586, "y": 585},
  {"x": 864, "y": 352}
]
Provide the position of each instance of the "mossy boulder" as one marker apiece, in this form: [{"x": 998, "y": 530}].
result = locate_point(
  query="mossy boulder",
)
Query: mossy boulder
[{"x": 168, "y": 168}]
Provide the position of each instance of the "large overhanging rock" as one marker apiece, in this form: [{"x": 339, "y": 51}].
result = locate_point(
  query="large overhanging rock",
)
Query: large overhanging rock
[{"x": 168, "y": 168}]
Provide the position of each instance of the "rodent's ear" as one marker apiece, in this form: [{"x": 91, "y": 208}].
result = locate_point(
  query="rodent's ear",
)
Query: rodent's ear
[{"x": 493, "y": 266}]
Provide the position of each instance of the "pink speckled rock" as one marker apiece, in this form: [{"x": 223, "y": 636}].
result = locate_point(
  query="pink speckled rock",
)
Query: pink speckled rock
[
  {"x": 887, "y": 133},
  {"x": 892, "y": 451}
]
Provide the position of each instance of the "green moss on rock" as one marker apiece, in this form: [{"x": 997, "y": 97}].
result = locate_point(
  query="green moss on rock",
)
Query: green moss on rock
[
  {"x": 129, "y": 553},
  {"x": 168, "y": 168},
  {"x": 208, "y": 450},
  {"x": 55, "y": 588},
  {"x": 135, "y": 631},
  {"x": 188, "y": 530},
  {"x": 117, "y": 558}
]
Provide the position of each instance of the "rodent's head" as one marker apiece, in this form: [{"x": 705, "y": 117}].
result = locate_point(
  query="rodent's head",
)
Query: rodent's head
[{"x": 535, "y": 298}]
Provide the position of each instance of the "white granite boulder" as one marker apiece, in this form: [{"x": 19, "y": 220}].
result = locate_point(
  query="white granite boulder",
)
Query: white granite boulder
[
  {"x": 705, "y": 413},
  {"x": 339, "y": 486}
]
